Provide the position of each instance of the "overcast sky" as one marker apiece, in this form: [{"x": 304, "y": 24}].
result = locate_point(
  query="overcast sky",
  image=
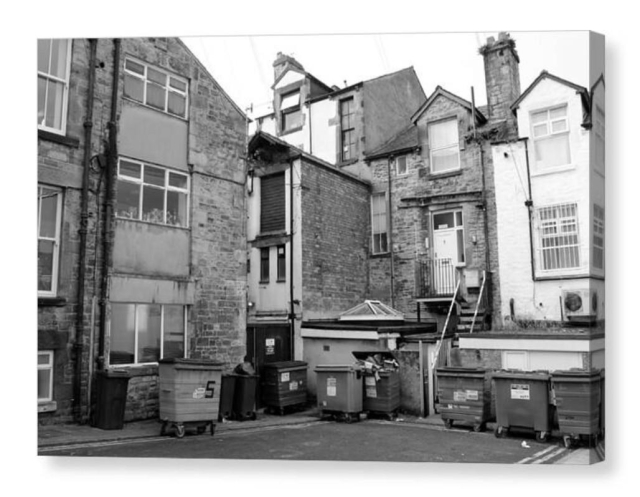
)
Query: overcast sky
[{"x": 243, "y": 65}]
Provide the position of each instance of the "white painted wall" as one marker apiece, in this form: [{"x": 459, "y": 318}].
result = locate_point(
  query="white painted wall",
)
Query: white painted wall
[{"x": 323, "y": 129}]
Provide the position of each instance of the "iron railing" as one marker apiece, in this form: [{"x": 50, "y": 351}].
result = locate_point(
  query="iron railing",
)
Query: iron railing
[{"x": 435, "y": 278}]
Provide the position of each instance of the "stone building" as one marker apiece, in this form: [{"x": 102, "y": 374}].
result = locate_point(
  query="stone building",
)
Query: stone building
[{"x": 141, "y": 232}]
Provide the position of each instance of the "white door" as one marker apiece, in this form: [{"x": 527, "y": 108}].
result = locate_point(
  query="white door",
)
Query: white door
[{"x": 445, "y": 256}]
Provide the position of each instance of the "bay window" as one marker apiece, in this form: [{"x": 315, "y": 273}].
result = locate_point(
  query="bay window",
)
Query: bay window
[
  {"x": 151, "y": 193},
  {"x": 146, "y": 333},
  {"x": 54, "y": 62}
]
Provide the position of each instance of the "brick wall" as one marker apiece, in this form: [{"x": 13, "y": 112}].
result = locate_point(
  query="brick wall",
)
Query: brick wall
[{"x": 335, "y": 241}]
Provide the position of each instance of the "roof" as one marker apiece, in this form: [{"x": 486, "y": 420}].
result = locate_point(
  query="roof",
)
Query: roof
[
  {"x": 439, "y": 91},
  {"x": 371, "y": 310},
  {"x": 405, "y": 141},
  {"x": 581, "y": 90}
]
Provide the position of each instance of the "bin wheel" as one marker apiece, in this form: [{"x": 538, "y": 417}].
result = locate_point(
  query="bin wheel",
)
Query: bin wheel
[
  {"x": 212, "y": 428},
  {"x": 201, "y": 429},
  {"x": 448, "y": 424},
  {"x": 163, "y": 429},
  {"x": 541, "y": 436},
  {"x": 478, "y": 427},
  {"x": 567, "y": 441},
  {"x": 180, "y": 431},
  {"x": 500, "y": 432},
  {"x": 348, "y": 418}
]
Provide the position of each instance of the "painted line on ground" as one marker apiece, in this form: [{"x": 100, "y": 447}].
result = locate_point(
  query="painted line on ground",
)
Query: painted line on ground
[
  {"x": 552, "y": 455},
  {"x": 88, "y": 445},
  {"x": 537, "y": 454}
]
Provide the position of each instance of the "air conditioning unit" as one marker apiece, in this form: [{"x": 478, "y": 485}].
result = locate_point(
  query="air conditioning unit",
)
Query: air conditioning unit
[{"x": 580, "y": 303}]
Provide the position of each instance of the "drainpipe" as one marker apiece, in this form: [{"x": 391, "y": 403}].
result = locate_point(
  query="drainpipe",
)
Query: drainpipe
[
  {"x": 292, "y": 311},
  {"x": 84, "y": 219},
  {"x": 529, "y": 204},
  {"x": 108, "y": 233},
  {"x": 390, "y": 217}
]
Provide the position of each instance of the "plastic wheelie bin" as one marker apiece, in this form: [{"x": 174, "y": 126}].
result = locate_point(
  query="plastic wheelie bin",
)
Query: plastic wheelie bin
[
  {"x": 522, "y": 401},
  {"x": 244, "y": 397},
  {"x": 381, "y": 381},
  {"x": 284, "y": 386},
  {"x": 189, "y": 394},
  {"x": 464, "y": 394},
  {"x": 111, "y": 399},
  {"x": 339, "y": 391},
  {"x": 227, "y": 391},
  {"x": 577, "y": 398}
]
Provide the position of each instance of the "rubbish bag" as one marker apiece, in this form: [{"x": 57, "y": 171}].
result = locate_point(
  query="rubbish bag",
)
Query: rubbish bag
[{"x": 245, "y": 368}]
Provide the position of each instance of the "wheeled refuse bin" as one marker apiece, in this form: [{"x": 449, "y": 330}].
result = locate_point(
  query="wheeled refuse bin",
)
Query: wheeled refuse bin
[
  {"x": 244, "y": 397},
  {"x": 464, "y": 394},
  {"x": 339, "y": 391},
  {"x": 227, "y": 391},
  {"x": 578, "y": 402},
  {"x": 522, "y": 401},
  {"x": 189, "y": 394},
  {"x": 381, "y": 394},
  {"x": 283, "y": 386},
  {"x": 111, "y": 399}
]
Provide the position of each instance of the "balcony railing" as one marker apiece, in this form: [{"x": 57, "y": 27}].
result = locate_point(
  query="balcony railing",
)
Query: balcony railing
[{"x": 435, "y": 278}]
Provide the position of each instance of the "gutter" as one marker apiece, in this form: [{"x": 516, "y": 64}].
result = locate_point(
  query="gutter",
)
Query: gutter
[{"x": 84, "y": 218}]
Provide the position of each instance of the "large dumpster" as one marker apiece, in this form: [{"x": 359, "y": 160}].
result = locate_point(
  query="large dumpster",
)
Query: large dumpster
[
  {"x": 283, "y": 386},
  {"x": 381, "y": 382},
  {"x": 578, "y": 403},
  {"x": 111, "y": 399},
  {"x": 189, "y": 394},
  {"x": 339, "y": 391},
  {"x": 522, "y": 401},
  {"x": 464, "y": 394}
]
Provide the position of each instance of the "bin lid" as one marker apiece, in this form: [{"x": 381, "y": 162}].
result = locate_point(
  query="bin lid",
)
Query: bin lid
[
  {"x": 522, "y": 375},
  {"x": 362, "y": 355},
  {"x": 322, "y": 368},
  {"x": 193, "y": 362},
  {"x": 458, "y": 371},
  {"x": 115, "y": 373},
  {"x": 286, "y": 364}
]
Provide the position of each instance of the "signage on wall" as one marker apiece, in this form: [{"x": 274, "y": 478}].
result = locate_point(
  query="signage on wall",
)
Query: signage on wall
[{"x": 270, "y": 344}]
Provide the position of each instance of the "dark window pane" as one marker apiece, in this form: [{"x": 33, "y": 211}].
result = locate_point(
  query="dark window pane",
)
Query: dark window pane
[
  {"x": 178, "y": 180},
  {"x": 149, "y": 321},
  {"x": 177, "y": 84},
  {"x": 44, "y": 48},
  {"x": 153, "y": 205},
  {"x": 45, "y": 265},
  {"x": 48, "y": 213},
  {"x": 177, "y": 104},
  {"x": 156, "y": 96},
  {"x": 173, "y": 333},
  {"x": 133, "y": 87},
  {"x": 134, "y": 67},
  {"x": 443, "y": 221},
  {"x": 44, "y": 384},
  {"x": 292, "y": 120},
  {"x": 122, "y": 334},
  {"x": 176, "y": 208},
  {"x": 128, "y": 200},
  {"x": 154, "y": 176},
  {"x": 130, "y": 169},
  {"x": 264, "y": 265},
  {"x": 156, "y": 76},
  {"x": 282, "y": 266}
]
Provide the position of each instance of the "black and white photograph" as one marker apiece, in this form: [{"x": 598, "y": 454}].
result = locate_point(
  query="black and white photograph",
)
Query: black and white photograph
[{"x": 279, "y": 251}]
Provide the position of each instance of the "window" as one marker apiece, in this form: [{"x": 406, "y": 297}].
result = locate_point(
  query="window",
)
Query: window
[
  {"x": 550, "y": 130},
  {"x": 598, "y": 237},
  {"x": 347, "y": 130},
  {"x": 152, "y": 194},
  {"x": 401, "y": 165},
  {"x": 559, "y": 244},
  {"x": 45, "y": 376},
  {"x": 600, "y": 137},
  {"x": 49, "y": 213},
  {"x": 264, "y": 265},
  {"x": 146, "y": 333},
  {"x": 282, "y": 263},
  {"x": 54, "y": 61},
  {"x": 290, "y": 111},
  {"x": 444, "y": 146},
  {"x": 379, "y": 222},
  {"x": 156, "y": 88},
  {"x": 272, "y": 203}
]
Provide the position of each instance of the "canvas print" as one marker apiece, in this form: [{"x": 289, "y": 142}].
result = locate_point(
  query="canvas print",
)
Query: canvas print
[{"x": 263, "y": 247}]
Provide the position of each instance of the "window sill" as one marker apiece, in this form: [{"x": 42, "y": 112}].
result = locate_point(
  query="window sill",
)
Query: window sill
[
  {"x": 61, "y": 139},
  {"x": 52, "y": 301},
  {"x": 445, "y": 174},
  {"x": 382, "y": 255},
  {"x": 48, "y": 406},
  {"x": 553, "y": 170},
  {"x": 150, "y": 369},
  {"x": 151, "y": 223},
  {"x": 346, "y": 163}
]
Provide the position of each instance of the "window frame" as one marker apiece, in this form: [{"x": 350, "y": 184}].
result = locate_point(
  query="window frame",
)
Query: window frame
[
  {"x": 265, "y": 265},
  {"x": 348, "y": 130},
  {"x": 47, "y": 367},
  {"x": 459, "y": 229},
  {"x": 598, "y": 236},
  {"x": 281, "y": 266},
  {"x": 374, "y": 231},
  {"x": 55, "y": 270},
  {"x": 540, "y": 166},
  {"x": 292, "y": 109},
  {"x": 166, "y": 189},
  {"x": 144, "y": 78},
  {"x": 65, "y": 95},
  {"x": 453, "y": 145},
  {"x": 557, "y": 223},
  {"x": 406, "y": 165},
  {"x": 136, "y": 305}
]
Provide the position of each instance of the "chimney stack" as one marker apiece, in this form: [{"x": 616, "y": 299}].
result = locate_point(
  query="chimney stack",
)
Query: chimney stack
[
  {"x": 281, "y": 63},
  {"x": 502, "y": 78}
]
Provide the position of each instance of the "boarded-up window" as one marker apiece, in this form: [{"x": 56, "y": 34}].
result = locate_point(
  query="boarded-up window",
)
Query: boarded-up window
[{"x": 272, "y": 212}]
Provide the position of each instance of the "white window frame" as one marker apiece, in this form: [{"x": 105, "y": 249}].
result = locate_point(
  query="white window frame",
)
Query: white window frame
[
  {"x": 65, "y": 95},
  {"x": 56, "y": 240},
  {"x": 46, "y": 367},
  {"x": 550, "y": 134},
  {"x": 167, "y": 87},
  {"x": 185, "y": 312},
  {"x": 404, "y": 159},
  {"x": 374, "y": 232},
  {"x": 166, "y": 188},
  {"x": 454, "y": 145},
  {"x": 289, "y": 105},
  {"x": 559, "y": 224},
  {"x": 597, "y": 240}
]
